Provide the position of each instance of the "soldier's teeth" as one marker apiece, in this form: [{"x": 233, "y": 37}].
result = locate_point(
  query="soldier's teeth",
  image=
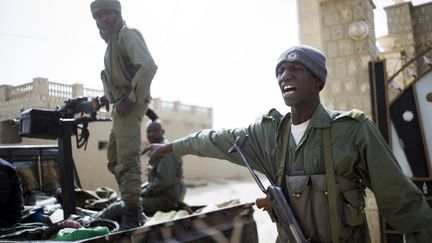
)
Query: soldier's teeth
[{"x": 287, "y": 87}]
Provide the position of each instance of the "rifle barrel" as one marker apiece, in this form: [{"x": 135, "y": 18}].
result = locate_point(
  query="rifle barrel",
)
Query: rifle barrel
[
  {"x": 236, "y": 147},
  {"x": 279, "y": 203}
]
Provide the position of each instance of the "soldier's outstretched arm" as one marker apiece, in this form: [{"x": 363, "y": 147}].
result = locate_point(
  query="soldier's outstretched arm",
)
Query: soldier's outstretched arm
[{"x": 156, "y": 151}]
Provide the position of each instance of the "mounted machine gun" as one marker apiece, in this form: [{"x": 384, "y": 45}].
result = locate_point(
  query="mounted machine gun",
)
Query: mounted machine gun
[{"x": 62, "y": 123}]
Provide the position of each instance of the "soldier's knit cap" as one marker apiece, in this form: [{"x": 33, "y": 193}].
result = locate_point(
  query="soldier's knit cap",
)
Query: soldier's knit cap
[
  {"x": 313, "y": 59},
  {"x": 97, "y": 5}
]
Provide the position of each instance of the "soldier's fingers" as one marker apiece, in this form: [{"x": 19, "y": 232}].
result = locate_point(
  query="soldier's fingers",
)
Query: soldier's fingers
[{"x": 146, "y": 149}]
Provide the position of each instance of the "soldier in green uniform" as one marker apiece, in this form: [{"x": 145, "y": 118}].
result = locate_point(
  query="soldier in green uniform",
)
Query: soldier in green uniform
[
  {"x": 289, "y": 150},
  {"x": 129, "y": 71},
  {"x": 165, "y": 188}
]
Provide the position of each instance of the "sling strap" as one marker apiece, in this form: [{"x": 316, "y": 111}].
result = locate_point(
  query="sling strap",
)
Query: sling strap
[
  {"x": 285, "y": 139},
  {"x": 329, "y": 171},
  {"x": 331, "y": 185}
]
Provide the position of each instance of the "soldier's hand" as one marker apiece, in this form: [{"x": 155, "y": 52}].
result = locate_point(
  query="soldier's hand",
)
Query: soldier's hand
[
  {"x": 104, "y": 102},
  {"x": 124, "y": 107},
  {"x": 156, "y": 151}
]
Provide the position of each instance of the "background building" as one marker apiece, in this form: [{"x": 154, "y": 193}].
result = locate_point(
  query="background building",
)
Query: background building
[{"x": 179, "y": 119}]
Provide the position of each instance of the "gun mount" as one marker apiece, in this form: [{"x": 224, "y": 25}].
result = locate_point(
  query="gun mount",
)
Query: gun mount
[{"x": 47, "y": 124}]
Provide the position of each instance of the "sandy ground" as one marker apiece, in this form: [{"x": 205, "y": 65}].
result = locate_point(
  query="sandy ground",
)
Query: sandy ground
[{"x": 214, "y": 191}]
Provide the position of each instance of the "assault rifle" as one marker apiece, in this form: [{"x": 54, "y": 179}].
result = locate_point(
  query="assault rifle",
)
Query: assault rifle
[{"x": 275, "y": 202}]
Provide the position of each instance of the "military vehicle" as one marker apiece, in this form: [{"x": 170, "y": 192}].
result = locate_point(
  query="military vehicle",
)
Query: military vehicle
[{"x": 49, "y": 176}]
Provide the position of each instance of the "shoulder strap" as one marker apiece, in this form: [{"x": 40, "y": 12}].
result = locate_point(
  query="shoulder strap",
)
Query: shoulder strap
[
  {"x": 285, "y": 139},
  {"x": 331, "y": 185},
  {"x": 129, "y": 69}
]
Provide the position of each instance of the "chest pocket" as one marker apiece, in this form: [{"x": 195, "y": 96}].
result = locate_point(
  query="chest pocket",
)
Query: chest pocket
[
  {"x": 129, "y": 68},
  {"x": 307, "y": 195}
]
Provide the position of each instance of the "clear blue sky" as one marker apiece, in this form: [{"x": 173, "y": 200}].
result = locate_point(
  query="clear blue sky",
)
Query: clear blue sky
[{"x": 218, "y": 54}]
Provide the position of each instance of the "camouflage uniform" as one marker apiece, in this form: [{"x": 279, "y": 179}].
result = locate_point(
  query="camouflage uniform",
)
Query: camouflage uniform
[
  {"x": 360, "y": 155},
  {"x": 165, "y": 185}
]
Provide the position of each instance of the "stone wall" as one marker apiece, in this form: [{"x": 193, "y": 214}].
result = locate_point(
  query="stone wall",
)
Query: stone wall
[
  {"x": 422, "y": 18},
  {"x": 422, "y": 23},
  {"x": 409, "y": 26},
  {"x": 348, "y": 40}
]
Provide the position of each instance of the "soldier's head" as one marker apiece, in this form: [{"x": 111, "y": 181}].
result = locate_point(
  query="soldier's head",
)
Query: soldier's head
[
  {"x": 155, "y": 131},
  {"x": 106, "y": 13},
  {"x": 301, "y": 73}
]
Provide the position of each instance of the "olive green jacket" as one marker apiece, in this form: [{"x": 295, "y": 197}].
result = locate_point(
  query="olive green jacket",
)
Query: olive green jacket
[
  {"x": 359, "y": 153},
  {"x": 165, "y": 178},
  {"x": 130, "y": 72}
]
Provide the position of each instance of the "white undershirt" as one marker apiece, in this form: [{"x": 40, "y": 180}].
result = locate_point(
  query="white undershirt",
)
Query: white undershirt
[{"x": 298, "y": 130}]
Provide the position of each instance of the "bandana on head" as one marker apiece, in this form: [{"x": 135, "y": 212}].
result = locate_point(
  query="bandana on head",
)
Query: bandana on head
[
  {"x": 111, "y": 37},
  {"x": 114, "y": 5},
  {"x": 313, "y": 59},
  {"x": 105, "y": 4}
]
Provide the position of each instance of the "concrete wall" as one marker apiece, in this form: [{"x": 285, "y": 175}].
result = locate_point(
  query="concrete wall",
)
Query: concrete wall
[
  {"x": 340, "y": 37},
  {"x": 411, "y": 28}
]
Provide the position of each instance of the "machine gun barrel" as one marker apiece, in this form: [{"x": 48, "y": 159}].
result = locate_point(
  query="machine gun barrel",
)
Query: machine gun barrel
[
  {"x": 47, "y": 123},
  {"x": 275, "y": 202},
  {"x": 80, "y": 105},
  {"x": 61, "y": 124}
]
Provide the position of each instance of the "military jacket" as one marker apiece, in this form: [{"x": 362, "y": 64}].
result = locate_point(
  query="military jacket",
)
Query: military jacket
[
  {"x": 133, "y": 79},
  {"x": 359, "y": 154},
  {"x": 165, "y": 178}
]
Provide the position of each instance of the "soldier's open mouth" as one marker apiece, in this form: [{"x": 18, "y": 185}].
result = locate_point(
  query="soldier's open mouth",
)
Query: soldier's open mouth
[{"x": 288, "y": 89}]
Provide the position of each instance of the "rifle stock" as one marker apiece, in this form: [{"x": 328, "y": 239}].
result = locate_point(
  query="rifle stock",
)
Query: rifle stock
[{"x": 275, "y": 202}]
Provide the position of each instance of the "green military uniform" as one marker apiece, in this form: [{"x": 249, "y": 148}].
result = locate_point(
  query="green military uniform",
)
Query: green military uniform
[
  {"x": 360, "y": 156},
  {"x": 164, "y": 190},
  {"x": 165, "y": 186},
  {"x": 129, "y": 70}
]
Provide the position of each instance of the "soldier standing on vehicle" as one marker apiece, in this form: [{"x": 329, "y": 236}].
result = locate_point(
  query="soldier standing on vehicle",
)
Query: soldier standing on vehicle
[
  {"x": 165, "y": 189},
  {"x": 291, "y": 150},
  {"x": 129, "y": 71}
]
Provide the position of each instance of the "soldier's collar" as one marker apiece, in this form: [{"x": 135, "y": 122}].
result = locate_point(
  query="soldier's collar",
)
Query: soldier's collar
[{"x": 321, "y": 117}]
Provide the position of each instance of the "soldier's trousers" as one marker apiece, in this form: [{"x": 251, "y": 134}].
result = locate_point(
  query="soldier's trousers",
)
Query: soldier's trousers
[{"x": 123, "y": 154}]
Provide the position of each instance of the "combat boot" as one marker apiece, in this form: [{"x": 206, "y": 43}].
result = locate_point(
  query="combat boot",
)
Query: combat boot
[
  {"x": 131, "y": 218},
  {"x": 113, "y": 211}
]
